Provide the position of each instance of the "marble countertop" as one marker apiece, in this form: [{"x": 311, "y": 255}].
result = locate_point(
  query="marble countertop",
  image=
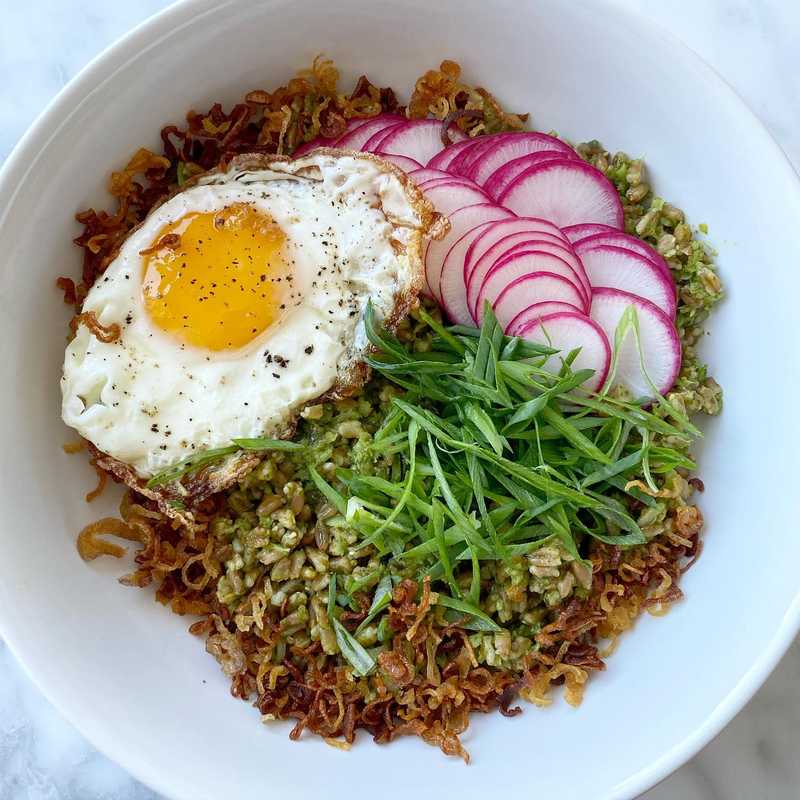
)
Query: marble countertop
[{"x": 752, "y": 43}]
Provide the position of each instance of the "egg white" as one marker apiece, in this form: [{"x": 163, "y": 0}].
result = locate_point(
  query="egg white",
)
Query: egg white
[{"x": 149, "y": 400}]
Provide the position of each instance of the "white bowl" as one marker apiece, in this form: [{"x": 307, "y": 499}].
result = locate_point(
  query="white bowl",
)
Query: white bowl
[{"x": 125, "y": 671}]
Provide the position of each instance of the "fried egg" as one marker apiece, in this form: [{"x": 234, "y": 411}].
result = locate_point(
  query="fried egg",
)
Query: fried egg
[{"x": 238, "y": 301}]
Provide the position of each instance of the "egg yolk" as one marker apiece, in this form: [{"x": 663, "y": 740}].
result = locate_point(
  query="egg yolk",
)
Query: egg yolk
[{"x": 219, "y": 279}]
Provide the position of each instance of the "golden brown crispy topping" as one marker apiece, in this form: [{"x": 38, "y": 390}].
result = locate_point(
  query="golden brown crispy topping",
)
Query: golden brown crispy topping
[{"x": 105, "y": 333}]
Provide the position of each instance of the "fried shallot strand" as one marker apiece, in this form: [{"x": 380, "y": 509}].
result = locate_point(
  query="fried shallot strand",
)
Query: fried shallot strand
[{"x": 104, "y": 333}]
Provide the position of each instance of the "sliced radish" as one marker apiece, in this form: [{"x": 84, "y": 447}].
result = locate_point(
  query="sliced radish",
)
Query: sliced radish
[
  {"x": 566, "y": 192},
  {"x": 503, "y": 228},
  {"x": 404, "y": 162},
  {"x": 534, "y": 313},
  {"x": 461, "y": 222},
  {"x": 564, "y": 252},
  {"x": 360, "y": 134},
  {"x": 626, "y": 242},
  {"x": 452, "y": 289},
  {"x": 462, "y": 163},
  {"x": 467, "y": 156},
  {"x": 449, "y": 197},
  {"x": 427, "y": 174},
  {"x": 450, "y": 179},
  {"x": 584, "y": 229},
  {"x": 537, "y": 287},
  {"x": 323, "y": 141},
  {"x": 617, "y": 268},
  {"x": 444, "y": 158},
  {"x": 477, "y": 145},
  {"x": 659, "y": 341},
  {"x": 503, "y": 176},
  {"x": 419, "y": 139},
  {"x": 508, "y": 147},
  {"x": 505, "y": 236},
  {"x": 528, "y": 262},
  {"x": 306, "y": 147},
  {"x": 484, "y": 268},
  {"x": 475, "y": 271},
  {"x": 565, "y": 331},
  {"x": 352, "y": 124},
  {"x": 372, "y": 145}
]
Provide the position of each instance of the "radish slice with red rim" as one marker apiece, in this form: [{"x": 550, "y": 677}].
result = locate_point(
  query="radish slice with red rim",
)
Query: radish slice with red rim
[
  {"x": 452, "y": 289},
  {"x": 536, "y": 287},
  {"x": 450, "y": 179},
  {"x": 420, "y": 139},
  {"x": 566, "y": 331},
  {"x": 584, "y": 229},
  {"x": 504, "y": 175},
  {"x": 616, "y": 268},
  {"x": 513, "y": 243},
  {"x": 534, "y": 313},
  {"x": 373, "y": 144},
  {"x": 507, "y": 227},
  {"x": 466, "y": 158},
  {"x": 477, "y": 270},
  {"x": 458, "y": 165},
  {"x": 426, "y": 174},
  {"x": 404, "y": 162},
  {"x": 356, "y": 138},
  {"x": 481, "y": 274},
  {"x": 461, "y": 222},
  {"x": 486, "y": 251},
  {"x": 528, "y": 262},
  {"x": 626, "y": 242},
  {"x": 659, "y": 342},
  {"x": 566, "y": 192},
  {"x": 508, "y": 147},
  {"x": 353, "y": 124},
  {"x": 306, "y": 147},
  {"x": 444, "y": 158},
  {"x": 562, "y": 252},
  {"x": 449, "y": 197}
]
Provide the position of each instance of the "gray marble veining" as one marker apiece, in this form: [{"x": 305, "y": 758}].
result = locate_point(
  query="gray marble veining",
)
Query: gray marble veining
[{"x": 754, "y": 44}]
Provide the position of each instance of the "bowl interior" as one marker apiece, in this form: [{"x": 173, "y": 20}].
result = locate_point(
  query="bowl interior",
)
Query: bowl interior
[{"x": 126, "y": 671}]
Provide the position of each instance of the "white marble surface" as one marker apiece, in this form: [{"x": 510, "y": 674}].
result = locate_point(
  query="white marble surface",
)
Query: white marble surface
[{"x": 754, "y": 44}]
